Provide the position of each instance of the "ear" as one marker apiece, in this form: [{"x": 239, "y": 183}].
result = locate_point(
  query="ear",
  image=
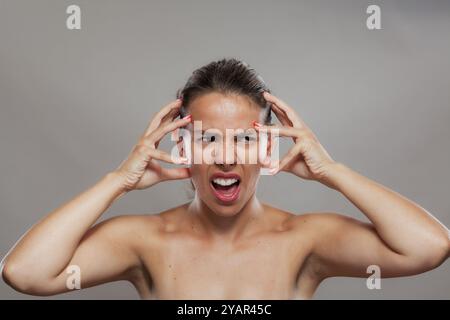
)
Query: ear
[
  {"x": 265, "y": 145},
  {"x": 182, "y": 139},
  {"x": 272, "y": 145},
  {"x": 180, "y": 147},
  {"x": 178, "y": 139}
]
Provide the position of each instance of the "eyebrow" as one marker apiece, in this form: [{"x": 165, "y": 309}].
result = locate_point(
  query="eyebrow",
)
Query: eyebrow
[
  {"x": 238, "y": 134},
  {"x": 204, "y": 130}
]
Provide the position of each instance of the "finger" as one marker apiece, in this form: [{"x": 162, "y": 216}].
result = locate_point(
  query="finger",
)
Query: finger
[
  {"x": 156, "y": 154},
  {"x": 170, "y": 116},
  {"x": 266, "y": 162},
  {"x": 279, "y": 131},
  {"x": 156, "y": 121},
  {"x": 290, "y": 156},
  {"x": 281, "y": 115},
  {"x": 290, "y": 112},
  {"x": 154, "y": 165},
  {"x": 164, "y": 156},
  {"x": 158, "y": 134},
  {"x": 175, "y": 173}
]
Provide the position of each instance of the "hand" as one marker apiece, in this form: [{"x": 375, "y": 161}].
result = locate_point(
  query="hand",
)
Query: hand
[
  {"x": 307, "y": 159},
  {"x": 141, "y": 170}
]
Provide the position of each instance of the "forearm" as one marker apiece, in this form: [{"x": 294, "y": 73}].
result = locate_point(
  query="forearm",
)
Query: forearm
[
  {"x": 403, "y": 225},
  {"x": 46, "y": 249}
]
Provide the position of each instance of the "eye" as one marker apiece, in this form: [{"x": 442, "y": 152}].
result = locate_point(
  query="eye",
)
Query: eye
[
  {"x": 247, "y": 138},
  {"x": 208, "y": 138}
]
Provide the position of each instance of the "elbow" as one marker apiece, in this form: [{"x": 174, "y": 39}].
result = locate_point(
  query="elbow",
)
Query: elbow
[
  {"x": 442, "y": 248},
  {"x": 435, "y": 253},
  {"x": 22, "y": 281},
  {"x": 12, "y": 276},
  {"x": 447, "y": 245}
]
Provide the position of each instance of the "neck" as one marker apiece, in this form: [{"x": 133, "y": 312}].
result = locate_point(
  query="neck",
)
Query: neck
[{"x": 229, "y": 227}]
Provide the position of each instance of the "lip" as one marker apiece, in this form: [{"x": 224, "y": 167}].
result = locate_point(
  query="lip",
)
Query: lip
[
  {"x": 223, "y": 198},
  {"x": 224, "y": 175}
]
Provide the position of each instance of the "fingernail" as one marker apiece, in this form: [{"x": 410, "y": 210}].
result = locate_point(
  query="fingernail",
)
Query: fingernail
[
  {"x": 187, "y": 117},
  {"x": 256, "y": 124},
  {"x": 182, "y": 160}
]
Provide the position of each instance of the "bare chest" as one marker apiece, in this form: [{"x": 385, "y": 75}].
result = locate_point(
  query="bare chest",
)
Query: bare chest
[{"x": 264, "y": 268}]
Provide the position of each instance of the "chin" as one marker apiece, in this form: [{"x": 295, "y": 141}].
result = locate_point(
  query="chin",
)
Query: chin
[
  {"x": 226, "y": 211},
  {"x": 225, "y": 204},
  {"x": 222, "y": 209}
]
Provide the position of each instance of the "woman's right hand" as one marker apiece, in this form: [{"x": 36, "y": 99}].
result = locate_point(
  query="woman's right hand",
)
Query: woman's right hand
[{"x": 141, "y": 170}]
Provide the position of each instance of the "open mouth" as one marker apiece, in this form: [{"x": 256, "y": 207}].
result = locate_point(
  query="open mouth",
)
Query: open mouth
[{"x": 226, "y": 189}]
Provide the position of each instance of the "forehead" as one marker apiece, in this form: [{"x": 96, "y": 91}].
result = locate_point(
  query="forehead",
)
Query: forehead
[{"x": 220, "y": 111}]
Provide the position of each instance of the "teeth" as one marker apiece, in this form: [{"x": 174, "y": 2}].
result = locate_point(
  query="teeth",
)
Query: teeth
[{"x": 225, "y": 182}]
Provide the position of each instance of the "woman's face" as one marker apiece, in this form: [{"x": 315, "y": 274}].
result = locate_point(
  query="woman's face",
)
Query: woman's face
[{"x": 224, "y": 150}]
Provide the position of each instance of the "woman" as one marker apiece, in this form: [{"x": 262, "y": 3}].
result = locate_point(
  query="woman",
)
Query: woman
[{"x": 226, "y": 243}]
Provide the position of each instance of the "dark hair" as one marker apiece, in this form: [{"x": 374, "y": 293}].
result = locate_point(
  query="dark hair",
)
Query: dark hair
[{"x": 227, "y": 76}]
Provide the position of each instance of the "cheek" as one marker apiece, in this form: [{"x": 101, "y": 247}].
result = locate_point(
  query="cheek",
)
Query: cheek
[
  {"x": 199, "y": 174},
  {"x": 247, "y": 154},
  {"x": 252, "y": 176}
]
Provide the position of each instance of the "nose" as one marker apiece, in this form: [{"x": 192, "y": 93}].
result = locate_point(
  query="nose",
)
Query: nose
[{"x": 225, "y": 155}]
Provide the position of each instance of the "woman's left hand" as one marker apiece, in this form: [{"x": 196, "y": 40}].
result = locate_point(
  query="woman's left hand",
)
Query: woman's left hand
[{"x": 307, "y": 158}]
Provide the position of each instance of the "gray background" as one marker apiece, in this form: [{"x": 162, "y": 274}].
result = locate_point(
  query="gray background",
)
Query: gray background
[{"x": 73, "y": 103}]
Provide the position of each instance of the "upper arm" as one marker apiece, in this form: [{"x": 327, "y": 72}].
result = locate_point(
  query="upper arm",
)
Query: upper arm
[
  {"x": 344, "y": 246},
  {"x": 106, "y": 253}
]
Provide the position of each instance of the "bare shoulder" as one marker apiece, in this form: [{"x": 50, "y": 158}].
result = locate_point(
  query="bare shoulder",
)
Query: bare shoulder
[
  {"x": 129, "y": 224},
  {"x": 309, "y": 231},
  {"x": 134, "y": 229},
  {"x": 289, "y": 219},
  {"x": 322, "y": 221},
  {"x": 305, "y": 231},
  {"x": 312, "y": 227}
]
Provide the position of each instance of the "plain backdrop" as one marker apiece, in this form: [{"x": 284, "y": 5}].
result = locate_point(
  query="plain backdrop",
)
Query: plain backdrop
[{"x": 73, "y": 104}]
